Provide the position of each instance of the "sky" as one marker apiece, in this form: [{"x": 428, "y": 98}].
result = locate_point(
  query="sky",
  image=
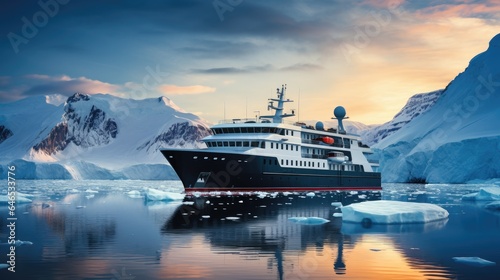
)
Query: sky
[{"x": 225, "y": 58}]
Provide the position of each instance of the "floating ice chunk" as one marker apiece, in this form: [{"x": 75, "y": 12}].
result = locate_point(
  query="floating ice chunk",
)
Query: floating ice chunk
[
  {"x": 208, "y": 202},
  {"x": 337, "y": 215},
  {"x": 205, "y": 216},
  {"x": 45, "y": 205},
  {"x": 261, "y": 194},
  {"x": 337, "y": 204},
  {"x": 21, "y": 243},
  {"x": 91, "y": 191},
  {"x": 80, "y": 207},
  {"x": 362, "y": 196},
  {"x": 392, "y": 212},
  {"x": 486, "y": 193},
  {"x": 493, "y": 205},
  {"x": 197, "y": 194},
  {"x": 475, "y": 261},
  {"x": 310, "y": 194},
  {"x": 287, "y": 193},
  {"x": 134, "y": 194},
  {"x": 308, "y": 220},
  {"x": 90, "y": 196},
  {"x": 19, "y": 199},
  {"x": 73, "y": 191},
  {"x": 153, "y": 194},
  {"x": 232, "y": 218}
]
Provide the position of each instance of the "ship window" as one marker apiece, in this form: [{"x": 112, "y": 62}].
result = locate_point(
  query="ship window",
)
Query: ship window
[
  {"x": 258, "y": 130},
  {"x": 286, "y": 147},
  {"x": 223, "y": 159},
  {"x": 347, "y": 143},
  {"x": 263, "y": 145},
  {"x": 230, "y": 130},
  {"x": 287, "y": 162},
  {"x": 225, "y": 143},
  {"x": 272, "y": 145},
  {"x": 254, "y": 144},
  {"x": 205, "y": 158},
  {"x": 281, "y": 162},
  {"x": 323, "y": 165},
  {"x": 232, "y": 144},
  {"x": 219, "y": 144},
  {"x": 297, "y": 148},
  {"x": 282, "y": 146},
  {"x": 245, "y": 144},
  {"x": 251, "y": 129},
  {"x": 195, "y": 157},
  {"x": 225, "y": 130},
  {"x": 264, "y": 161},
  {"x": 297, "y": 163},
  {"x": 244, "y": 130},
  {"x": 238, "y": 144}
]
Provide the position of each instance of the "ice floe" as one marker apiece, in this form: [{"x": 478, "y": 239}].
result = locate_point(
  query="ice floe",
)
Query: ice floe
[
  {"x": 19, "y": 199},
  {"x": 484, "y": 194},
  {"x": 392, "y": 212},
  {"x": 153, "y": 194},
  {"x": 308, "y": 220},
  {"x": 134, "y": 194},
  {"x": 475, "y": 261},
  {"x": 21, "y": 243}
]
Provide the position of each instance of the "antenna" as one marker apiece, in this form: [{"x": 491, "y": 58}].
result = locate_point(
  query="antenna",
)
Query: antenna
[{"x": 298, "y": 108}]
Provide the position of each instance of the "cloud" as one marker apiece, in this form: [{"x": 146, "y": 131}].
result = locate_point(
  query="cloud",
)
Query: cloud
[
  {"x": 302, "y": 67},
  {"x": 184, "y": 90},
  {"x": 235, "y": 70},
  {"x": 66, "y": 85}
]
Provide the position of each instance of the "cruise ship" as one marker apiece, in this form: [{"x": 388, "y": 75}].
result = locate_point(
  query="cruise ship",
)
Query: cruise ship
[{"x": 269, "y": 154}]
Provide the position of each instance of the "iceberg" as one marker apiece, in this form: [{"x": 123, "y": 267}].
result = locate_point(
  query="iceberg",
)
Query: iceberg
[
  {"x": 134, "y": 194},
  {"x": 308, "y": 220},
  {"x": 484, "y": 194},
  {"x": 157, "y": 195},
  {"x": 475, "y": 261},
  {"x": 392, "y": 212}
]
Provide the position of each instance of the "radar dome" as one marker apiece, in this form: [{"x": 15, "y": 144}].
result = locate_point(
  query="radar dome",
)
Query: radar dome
[
  {"x": 339, "y": 112},
  {"x": 319, "y": 126}
]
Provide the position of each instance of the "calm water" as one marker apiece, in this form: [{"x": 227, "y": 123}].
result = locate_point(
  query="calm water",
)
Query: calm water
[{"x": 109, "y": 235}]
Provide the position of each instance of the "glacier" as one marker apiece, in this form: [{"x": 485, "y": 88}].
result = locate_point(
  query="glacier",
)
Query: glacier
[{"x": 457, "y": 139}]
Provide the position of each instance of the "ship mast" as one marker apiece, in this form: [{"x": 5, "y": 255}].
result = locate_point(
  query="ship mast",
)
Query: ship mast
[{"x": 278, "y": 115}]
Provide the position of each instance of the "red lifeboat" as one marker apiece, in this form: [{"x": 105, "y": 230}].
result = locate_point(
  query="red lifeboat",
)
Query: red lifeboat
[{"x": 326, "y": 140}]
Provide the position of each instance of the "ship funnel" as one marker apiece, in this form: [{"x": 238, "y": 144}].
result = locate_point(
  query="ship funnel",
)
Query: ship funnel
[{"x": 339, "y": 113}]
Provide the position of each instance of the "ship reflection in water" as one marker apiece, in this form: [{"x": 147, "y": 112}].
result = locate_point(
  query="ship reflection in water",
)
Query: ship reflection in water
[
  {"x": 262, "y": 242},
  {"x": 256, "y": 228}
]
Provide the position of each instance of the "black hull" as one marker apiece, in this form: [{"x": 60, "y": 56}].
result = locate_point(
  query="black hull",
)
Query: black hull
[{"x": 207, "y": 171}]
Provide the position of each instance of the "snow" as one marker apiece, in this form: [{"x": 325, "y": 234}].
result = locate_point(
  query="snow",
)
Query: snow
[
  {"x": 474, "y": 261},
  {"x": 131, "y": 154},
  {"x": 157, "y": 195},
  {"x": 455, "y": 140},
  {"x": 308, "y": 220},
  {"x": 392, "y": 212}
]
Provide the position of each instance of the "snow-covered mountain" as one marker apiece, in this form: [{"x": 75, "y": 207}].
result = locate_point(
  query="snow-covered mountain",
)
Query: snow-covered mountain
[
  {"x": 458, "y": 138},
  {"x": 415, "y": 106},
  {"x": 94, "y": 136}
]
